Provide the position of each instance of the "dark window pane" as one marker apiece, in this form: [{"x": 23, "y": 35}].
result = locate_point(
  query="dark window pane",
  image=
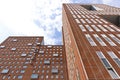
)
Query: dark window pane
[{"x": 105, "y": 62}]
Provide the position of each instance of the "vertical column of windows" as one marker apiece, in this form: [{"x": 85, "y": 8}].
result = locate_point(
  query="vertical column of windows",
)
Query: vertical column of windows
[{"x": 107, "y": 65}]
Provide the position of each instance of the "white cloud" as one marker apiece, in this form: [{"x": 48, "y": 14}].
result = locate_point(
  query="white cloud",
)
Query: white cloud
[
  {"x": 107, "y": 1},
  {"x": 115, "y": 3},
  {"x": 17, "y": 18},
  {"x": 32, "y": 18}
]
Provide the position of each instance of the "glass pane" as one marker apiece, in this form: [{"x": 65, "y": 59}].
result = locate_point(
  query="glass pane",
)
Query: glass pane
[
  {"x": 100, "y": 54},
  {"x": 105, "y": 62},
  {"x": 112, "y": 73},
  {"x": 117, "y": 61}
]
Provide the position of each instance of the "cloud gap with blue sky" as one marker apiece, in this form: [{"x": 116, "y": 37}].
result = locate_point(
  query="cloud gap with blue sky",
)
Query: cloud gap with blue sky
[{"x": 37, "y": 18}]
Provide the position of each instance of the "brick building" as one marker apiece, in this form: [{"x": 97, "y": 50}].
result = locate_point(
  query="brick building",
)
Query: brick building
[
  {"x": 27, "y": 58},
  {"x": 90, "y": 50},
  {"x": 92, "y": 41}
]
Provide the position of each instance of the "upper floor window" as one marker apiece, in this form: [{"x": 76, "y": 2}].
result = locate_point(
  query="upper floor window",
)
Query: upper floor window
[
  {"x": 107, "y": 65},
  {"x": 108, "y": 40},
  {"x": 91, "y": 41},
  {"x": 91, "y": 7},
  {"x": 4, "y": 71}
]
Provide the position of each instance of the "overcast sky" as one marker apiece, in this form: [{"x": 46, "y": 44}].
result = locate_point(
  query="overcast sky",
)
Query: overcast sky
[{"x": 37, "y": 18}]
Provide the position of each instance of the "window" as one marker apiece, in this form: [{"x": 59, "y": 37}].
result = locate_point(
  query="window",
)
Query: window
[
  {"x": 82, "y": 20},
  {"x": 95, "y": 27},
  {"x": 14, "y": 40},
  {"x": 20, "y": 77},
  {"x": 74, "y": 16},
  {"x": 23, "y": 54},
  {"x": 55, "y": 55},
  {"x": 24, "y": 66},
  {"x": 114, "y": 27},
  {"x": 78, "y": 16},
  {"x": 113, "y": 74},
  {"x": 82, "y": 28},
  {"x": 54, "y": 71},
  {"x": 89, "y": 28},
  {"x": 34, "y": 76},
  {"x": 41, "y": 52},
  {"x": 90, "y": 40},
  {"x": 101, "y": 27},
  {"x": 114, "y": 57},
  {"x": 98, "y": 20},
  {"x": 38, "y": 43},
  {"x": 89, "y": 7},
  {"x": 108, "y": 27},
  {"x": 104, "y": 20},
  {"x": 13, "y": 49},
  {"x": 4, "y": 71},
  {"x": 77, "y": 20},
  {"x": 14, "y": 77},
  {"x": 83, "y": 16},
  {"x": 107, "y": 65},
  {"x": 88, "y": 20},
  {"x": 114, "y": 38},
  {"x": 103, "y": 59},
  {"x": 118, "y": 35},
  {"x": 93, "y": 21},
  {"x": 71, "y": 12},
  {"x": 46, "y": 62},
  {"x": 99, "y": 40},
  {"x": 4, "y": 77},
  {"x": 2, "y": 46},
  {"x": 49, "y": 46},
  {"x": 105, "y": 62},
  {"x": 108, "y": 40},
  {"x": 29, "y": 44}
]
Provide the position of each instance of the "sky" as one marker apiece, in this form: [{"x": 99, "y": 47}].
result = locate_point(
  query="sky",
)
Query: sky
[{"x": 37, "y": 18}]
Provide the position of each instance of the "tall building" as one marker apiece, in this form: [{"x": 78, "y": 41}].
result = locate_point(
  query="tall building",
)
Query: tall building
[
  {"x": 90, "y": 50},
  {"x": 27, "y": 58},
  {"x": 91, "y": 36}
]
